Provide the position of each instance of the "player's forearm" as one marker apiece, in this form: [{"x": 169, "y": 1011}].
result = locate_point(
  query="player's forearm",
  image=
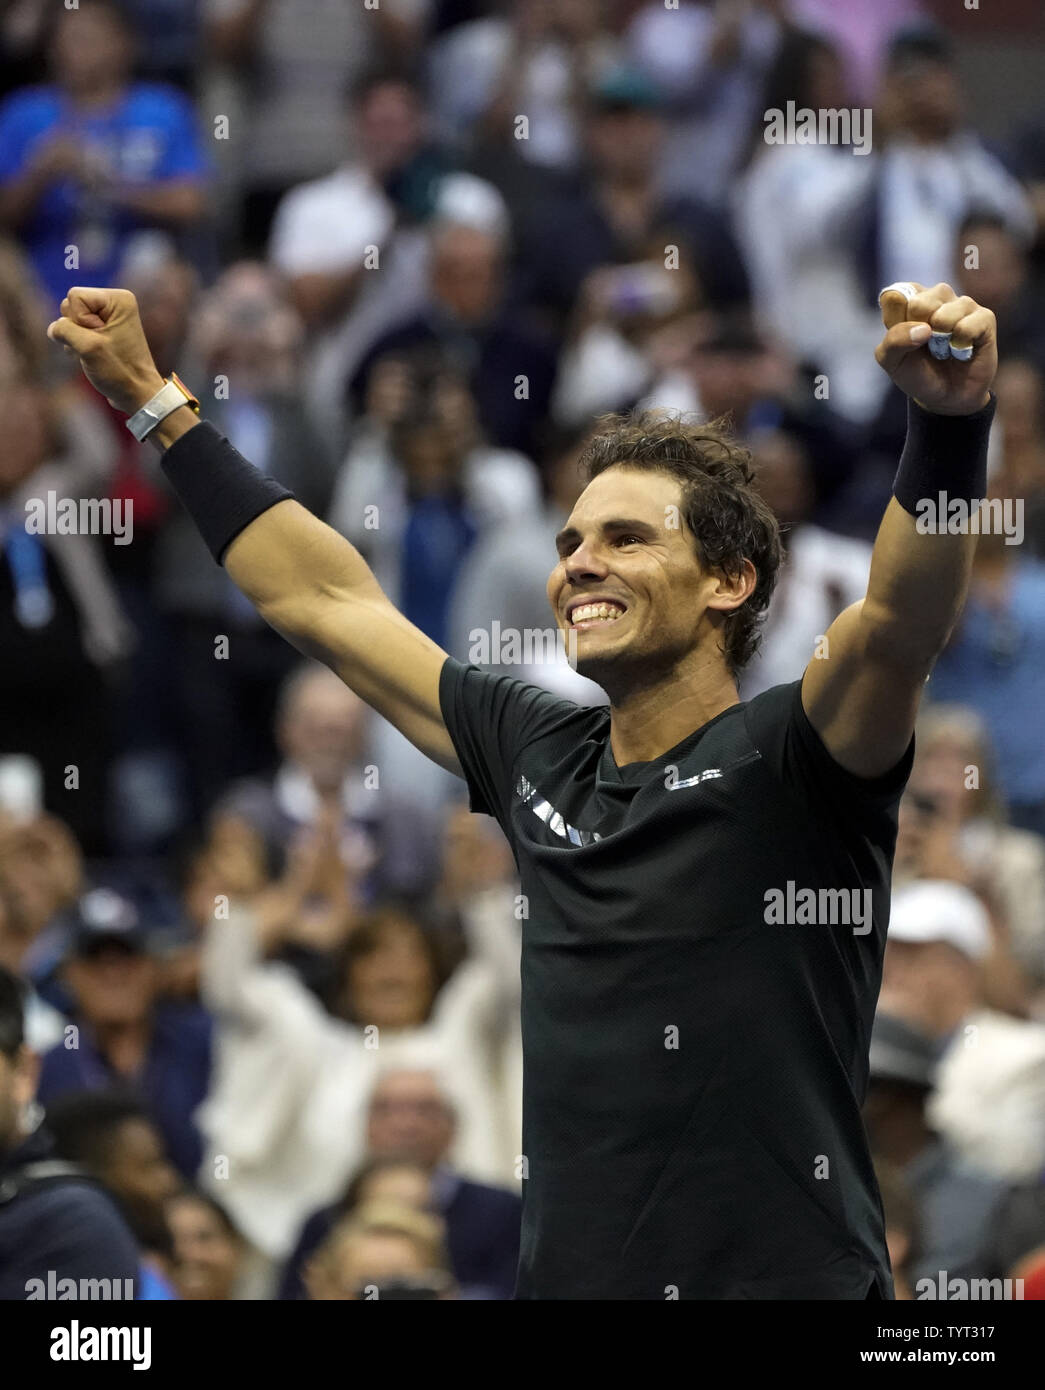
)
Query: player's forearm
[
  {"x": 916, "y": 590},
  {"x": 922, "y": 558},
  {"x": 290, "y": 564}
]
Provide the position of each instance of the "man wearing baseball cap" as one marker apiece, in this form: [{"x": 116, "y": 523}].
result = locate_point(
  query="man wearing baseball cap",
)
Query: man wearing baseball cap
[
  {"x": 127, "y": 1035},
  {"x": 989, "y": 1098},
  {"x": 954, "y": 1203},
  {"x": 939, "y": 936}
]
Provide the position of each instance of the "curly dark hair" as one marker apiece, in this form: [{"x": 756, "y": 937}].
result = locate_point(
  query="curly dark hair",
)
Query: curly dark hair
[{"x": 726, "y": 515}]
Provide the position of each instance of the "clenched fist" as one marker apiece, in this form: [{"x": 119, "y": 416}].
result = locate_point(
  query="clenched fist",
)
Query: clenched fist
[
  {"x": 944, "y": 384},
  {"x": 103, "y": 328}
]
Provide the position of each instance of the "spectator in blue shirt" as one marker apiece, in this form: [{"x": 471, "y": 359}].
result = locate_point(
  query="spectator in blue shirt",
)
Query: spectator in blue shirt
[
  {"x": 995, "y": 663},
  {"x": 94, "y": 157},
  {"x": 126, "y": 1036}
]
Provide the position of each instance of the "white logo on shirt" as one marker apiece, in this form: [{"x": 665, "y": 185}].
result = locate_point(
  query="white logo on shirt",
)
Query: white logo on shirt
[
  {"x": 546, "y": 812},
  {"x": 672, "y": 783},
  {"x": 671, "y": 772}
]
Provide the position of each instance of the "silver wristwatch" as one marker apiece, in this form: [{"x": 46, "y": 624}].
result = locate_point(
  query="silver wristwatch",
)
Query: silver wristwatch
[{"x": 171, "y": 397}]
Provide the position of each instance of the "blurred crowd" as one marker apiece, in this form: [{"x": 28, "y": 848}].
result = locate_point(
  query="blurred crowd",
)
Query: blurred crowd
[{"x": 266, "y": 959}]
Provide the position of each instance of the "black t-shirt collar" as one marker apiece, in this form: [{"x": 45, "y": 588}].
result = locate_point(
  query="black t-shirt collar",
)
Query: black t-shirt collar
[{"x": 636, "y": 774}]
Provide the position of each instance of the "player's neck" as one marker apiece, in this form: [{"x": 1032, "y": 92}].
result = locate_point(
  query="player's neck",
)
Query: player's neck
[{"x": 648, "y": 721}]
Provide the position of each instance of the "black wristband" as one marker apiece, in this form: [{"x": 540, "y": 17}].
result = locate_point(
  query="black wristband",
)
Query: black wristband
[
  {"x": 943, "y": 453},
  {"x": 218, "y": 487}
]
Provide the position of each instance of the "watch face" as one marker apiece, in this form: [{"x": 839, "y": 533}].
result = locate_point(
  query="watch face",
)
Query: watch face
[{"x": 177, "y": 381}]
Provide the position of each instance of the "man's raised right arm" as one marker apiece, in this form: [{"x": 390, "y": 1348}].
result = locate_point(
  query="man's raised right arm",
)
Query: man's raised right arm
[{"x": 306, "y": 580}]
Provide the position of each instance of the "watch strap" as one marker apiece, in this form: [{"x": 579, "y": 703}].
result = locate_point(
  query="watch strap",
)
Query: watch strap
[{"x": 171, "y": 396}]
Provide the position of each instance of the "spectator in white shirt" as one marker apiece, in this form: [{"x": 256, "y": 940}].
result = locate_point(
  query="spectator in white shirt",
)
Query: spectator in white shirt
[
  {"x": 931, "y": 170},
  {"x": 824, "y": 228},
  {"x": 535, "y": 59},
  {"x": 285, "y": 1121},
  {"x": 355, "y": 245},
  {"x": 324, "y": 229},
  {"x": 283, "y": 67},
  {"x": 806, "y": 292},
  {"x": 712, "y": 60}
]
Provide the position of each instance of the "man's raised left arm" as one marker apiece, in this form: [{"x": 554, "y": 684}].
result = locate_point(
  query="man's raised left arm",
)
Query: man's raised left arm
[{"x": 862, "y": 691}]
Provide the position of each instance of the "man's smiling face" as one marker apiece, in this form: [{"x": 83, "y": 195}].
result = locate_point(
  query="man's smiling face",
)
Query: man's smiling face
[{"x": 629, "y": 591}]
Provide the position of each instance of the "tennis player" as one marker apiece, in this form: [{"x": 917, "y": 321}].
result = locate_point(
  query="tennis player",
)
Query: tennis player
[{"x": 705, "y": 882}]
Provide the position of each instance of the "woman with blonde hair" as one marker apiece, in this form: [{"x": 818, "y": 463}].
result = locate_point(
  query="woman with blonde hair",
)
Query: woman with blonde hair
[{"x": 383, "y": 1249}]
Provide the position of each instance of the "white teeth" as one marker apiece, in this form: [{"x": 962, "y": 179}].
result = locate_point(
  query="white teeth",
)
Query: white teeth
[{"x": 588, "y": 612}]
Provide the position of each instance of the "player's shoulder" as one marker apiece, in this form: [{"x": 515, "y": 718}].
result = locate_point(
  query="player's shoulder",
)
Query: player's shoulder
[
  {"x": 778, "y": 715},
  {"x": 756, "y": 727},
  {"x": 773, "y": 720},
  {"x": 793, "y": 750},
  {"x": 776, "y": 702},
  {"x": 511, "y": 700},
  {"x": 480, "y": 672}
]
